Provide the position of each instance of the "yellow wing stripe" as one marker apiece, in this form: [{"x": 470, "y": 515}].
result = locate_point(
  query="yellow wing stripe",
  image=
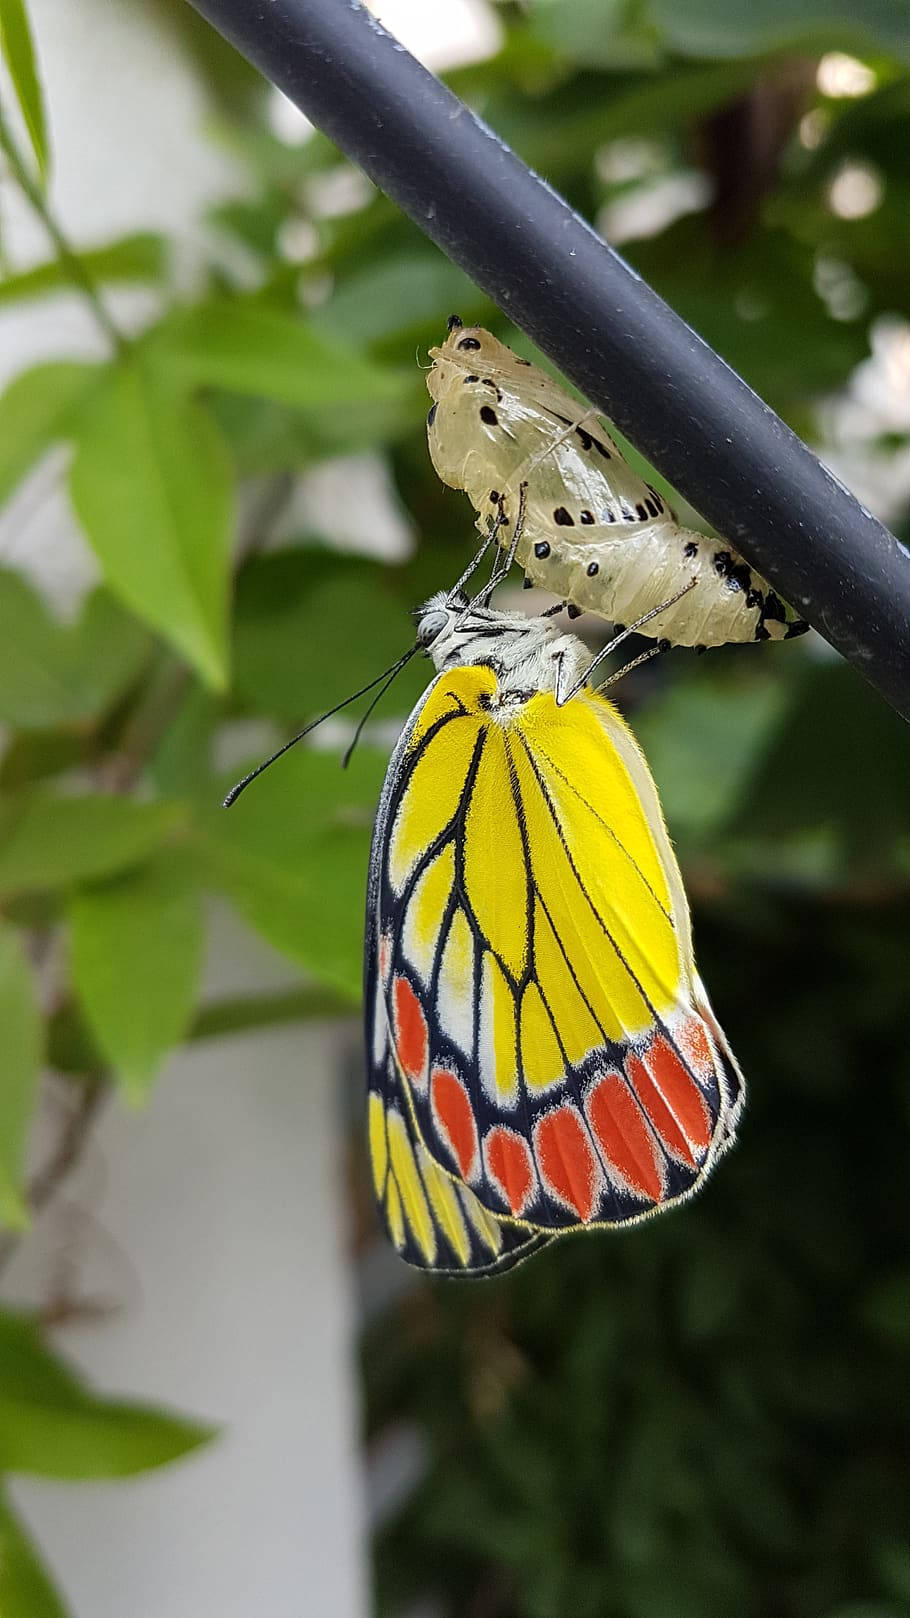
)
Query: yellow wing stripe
[
  {"x": 578, "y": 1030},
  {"x": 444, "y": 1201},
  {"x": 379, "y": 1152},
  {"x": 431, "y": 797},
  {"x": 395, "y": 1215},
  {"x": 542, "y": 1060},
  {"x": 425, "y": 907},
  {"x": 498, "y": 1046},
  {"x": 486, "y": 1228},
  {"x": 493, "y": 838},
  {"x": 407, "y": 1176}
]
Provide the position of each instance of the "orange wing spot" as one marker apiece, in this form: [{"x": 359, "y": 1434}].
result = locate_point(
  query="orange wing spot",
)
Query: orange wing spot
[
  {"x": 454, "y": 1117},
  {"x": 628, "y": 1147},
  {"x": 692, "y": 1040},
  {"x": 566, "y": 1159},
  {"x": 658, "y": 1110},
  {"x": 411, "y": 1040},
  {"x": 671, "y": 1100},
  {"x": 510, "y": 1166}
]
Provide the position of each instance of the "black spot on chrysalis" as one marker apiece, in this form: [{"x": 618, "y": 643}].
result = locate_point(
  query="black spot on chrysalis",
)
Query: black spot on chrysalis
[
  {"x": 562, "y": 518},
  {"x": 593, "y": 569},
  {"x": 587, "y": 517},
  {"x": 541, "y": 550},
  {"x": 431, "y": 415},
  {"x": 691, "y": 549},
  {"x": 488, "y": 414},
  {"x": 468, "y": 343}
]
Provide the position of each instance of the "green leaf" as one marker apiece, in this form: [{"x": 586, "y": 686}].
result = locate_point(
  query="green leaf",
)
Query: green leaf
[
  {"x": 292, "y": 856},
  {"x": 48, "y": 841},
  {"x": 56, "y": 674},
  {"x": 26, "y": 1590},
  {"x": 38, "y": 409},
  {"x": 52, "y": 1425},
  {"x": 18, "y": 49},
  {"x": 886, "y": 1309},
  {"x": 594, "y": 33},
  {"x": 311, "y": 627},
  {"x": 398, "y": 294},
  {"x": 151, "y": 484},
  {"x": 139, "y": 257},
  {"x": 793, "y": 788},
  {"x": 136, "y": 956},
  {"x": 247, "y": 348},
  {"x": 702, "y": 741},
  {"x": 744, "y": 27},
  {"x": 19, "y": 1072}
]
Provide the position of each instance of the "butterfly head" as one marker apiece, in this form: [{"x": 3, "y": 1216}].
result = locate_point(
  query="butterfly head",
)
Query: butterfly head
[{"x": 526, "y": 654}]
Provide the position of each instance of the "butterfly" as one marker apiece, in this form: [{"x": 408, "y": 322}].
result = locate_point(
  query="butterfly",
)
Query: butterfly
[
  {"x": 547, "y": 479},
  {"x": 542, "y": 1054}
]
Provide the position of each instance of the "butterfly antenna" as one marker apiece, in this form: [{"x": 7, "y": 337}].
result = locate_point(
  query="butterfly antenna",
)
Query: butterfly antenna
[
  {"x": 364, "y": 719},
  {"x": 387, "y": 675}
]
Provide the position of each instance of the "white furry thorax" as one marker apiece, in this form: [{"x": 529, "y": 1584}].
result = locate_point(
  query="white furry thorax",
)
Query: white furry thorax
[{"x": 527, "y": 655}]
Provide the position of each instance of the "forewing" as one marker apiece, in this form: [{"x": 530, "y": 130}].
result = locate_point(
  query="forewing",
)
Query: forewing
[
  {"x": 552, "y": 1047},
  {"x": 431, "y": 1215}
]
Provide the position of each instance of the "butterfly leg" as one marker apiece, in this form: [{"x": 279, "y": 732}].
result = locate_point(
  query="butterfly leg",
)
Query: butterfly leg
[
  {"x": 630, "y": 629},
  {"x": 472, "y": 566}
]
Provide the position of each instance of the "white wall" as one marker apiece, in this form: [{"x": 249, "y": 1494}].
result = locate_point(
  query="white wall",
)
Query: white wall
[
  {"x": 211, "y": 1222},
  {"x": 214, "y": 1221}
]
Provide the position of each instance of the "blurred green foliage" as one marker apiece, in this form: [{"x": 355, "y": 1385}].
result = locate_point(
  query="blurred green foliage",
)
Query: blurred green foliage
[{"x": 706, "y": 1416}]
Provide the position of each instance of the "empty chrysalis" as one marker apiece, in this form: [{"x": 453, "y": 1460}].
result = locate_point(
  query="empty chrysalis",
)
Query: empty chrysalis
[{"x": 590, "y": 530}]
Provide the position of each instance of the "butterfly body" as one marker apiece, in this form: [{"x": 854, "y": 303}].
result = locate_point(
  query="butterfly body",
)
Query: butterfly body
[
  {"x": 592, "y": 531},
  {"x": 542, "y": 1055}
]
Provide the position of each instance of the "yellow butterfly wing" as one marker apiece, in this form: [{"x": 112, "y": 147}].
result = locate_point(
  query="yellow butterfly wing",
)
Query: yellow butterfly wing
[{"x": 534, "y": 1017}]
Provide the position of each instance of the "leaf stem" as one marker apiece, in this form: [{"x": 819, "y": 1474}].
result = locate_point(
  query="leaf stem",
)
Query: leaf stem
[
  {"x": 235, "y": 1014},
  {"x": 78, "y": 274},
  {"x": 64, "y": 1156}
]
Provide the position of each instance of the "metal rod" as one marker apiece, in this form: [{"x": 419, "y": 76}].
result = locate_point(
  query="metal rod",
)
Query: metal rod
[{"x": 715, "y": 440}]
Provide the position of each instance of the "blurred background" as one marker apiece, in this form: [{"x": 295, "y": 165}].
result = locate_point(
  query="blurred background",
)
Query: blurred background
[{"x": 220, "y": 1391}]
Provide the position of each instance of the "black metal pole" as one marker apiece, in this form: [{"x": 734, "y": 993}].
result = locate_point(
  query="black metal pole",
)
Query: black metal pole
[{"x": 618, "y": 341}]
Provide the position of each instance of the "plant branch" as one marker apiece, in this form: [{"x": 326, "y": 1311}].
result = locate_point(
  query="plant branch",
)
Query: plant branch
[
  {"x": 241, "y": 1013},
  {"x": 65, "y": 1155},
  {"x": 66, "y": 254}
]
